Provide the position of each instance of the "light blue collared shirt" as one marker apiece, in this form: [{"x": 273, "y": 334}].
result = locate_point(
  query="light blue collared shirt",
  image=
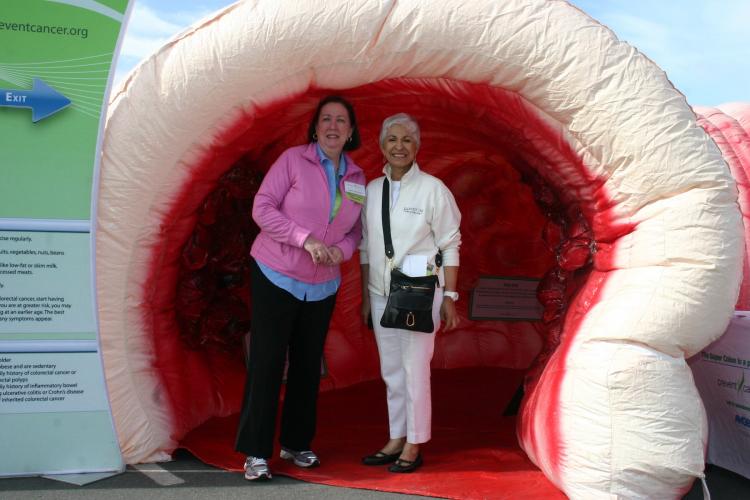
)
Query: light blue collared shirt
[{"x": 308, "y": 292}]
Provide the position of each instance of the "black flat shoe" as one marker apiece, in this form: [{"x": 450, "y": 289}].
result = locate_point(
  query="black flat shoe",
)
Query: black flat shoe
[
  {"x": 380, "y": 458},
  {"x": 402, "y": 465}
]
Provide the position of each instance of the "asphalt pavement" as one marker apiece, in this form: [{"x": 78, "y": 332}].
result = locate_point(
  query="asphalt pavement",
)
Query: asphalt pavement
[{"x": 187, "y": 478}]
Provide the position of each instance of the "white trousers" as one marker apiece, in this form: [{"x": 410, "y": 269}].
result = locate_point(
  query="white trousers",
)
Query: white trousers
[{"x": 405, "y": 367}]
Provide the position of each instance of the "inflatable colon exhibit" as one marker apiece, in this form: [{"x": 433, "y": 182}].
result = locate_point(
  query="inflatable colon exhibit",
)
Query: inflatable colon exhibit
[
  {"x": 729, "y": 126},
  {"x": 572, "y": 158}
]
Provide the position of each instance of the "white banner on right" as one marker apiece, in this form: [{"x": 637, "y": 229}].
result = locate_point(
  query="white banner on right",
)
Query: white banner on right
[{"x": 722, "y": 375}]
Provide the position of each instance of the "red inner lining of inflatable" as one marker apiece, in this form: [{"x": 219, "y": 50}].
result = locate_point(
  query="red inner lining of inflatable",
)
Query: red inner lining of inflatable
[{"x": 530, "y": 209}]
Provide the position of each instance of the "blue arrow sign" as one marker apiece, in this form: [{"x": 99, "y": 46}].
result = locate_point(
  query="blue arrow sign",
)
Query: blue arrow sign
[{"x": 42, "y": 99}]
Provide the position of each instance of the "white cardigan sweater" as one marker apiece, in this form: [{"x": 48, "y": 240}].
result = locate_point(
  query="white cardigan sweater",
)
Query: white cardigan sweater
[{"x": 424, "y": 219}]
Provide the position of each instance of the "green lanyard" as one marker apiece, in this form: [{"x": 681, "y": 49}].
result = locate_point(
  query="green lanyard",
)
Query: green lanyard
[{"x": 336, "y": 204}]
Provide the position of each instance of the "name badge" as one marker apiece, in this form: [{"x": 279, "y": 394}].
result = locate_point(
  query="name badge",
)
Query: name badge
[{"x": 355, "y": 192}]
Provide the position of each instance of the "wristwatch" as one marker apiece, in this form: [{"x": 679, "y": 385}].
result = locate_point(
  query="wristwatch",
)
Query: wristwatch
[{"x": 451, "y": 294}]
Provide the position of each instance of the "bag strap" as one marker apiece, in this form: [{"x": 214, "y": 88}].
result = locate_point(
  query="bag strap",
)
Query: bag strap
[{"x": 386, "y": 216}]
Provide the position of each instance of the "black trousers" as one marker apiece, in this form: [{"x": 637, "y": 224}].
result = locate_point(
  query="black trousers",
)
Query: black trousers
[{"x": 280, "y": 322}]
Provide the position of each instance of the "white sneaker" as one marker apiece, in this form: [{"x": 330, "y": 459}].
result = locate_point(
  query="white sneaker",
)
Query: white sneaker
[
  {"x": 256, "y": 468},
  {"x": 300, "y": 458}
]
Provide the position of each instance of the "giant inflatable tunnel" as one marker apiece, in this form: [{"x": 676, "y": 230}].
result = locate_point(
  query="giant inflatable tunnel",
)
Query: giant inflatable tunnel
[
  {"x": 574, "y": 162},
  {"x": 729, "y": 126}
]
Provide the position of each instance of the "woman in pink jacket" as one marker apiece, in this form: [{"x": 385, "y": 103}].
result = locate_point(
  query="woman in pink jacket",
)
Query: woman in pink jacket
[{"x": 308, "y": 210}]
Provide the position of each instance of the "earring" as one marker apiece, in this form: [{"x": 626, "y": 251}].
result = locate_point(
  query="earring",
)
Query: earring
[
  {"x": 315, "y": 136},
  {"x": 349, "y": 139}
]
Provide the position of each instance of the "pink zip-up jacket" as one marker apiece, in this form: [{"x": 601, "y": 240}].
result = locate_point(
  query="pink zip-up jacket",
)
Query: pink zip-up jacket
[{"x": 292, "y": 204}]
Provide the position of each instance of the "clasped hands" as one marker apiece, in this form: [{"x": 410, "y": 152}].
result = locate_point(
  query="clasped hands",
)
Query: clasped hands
[{"x": 322, "y": 254}]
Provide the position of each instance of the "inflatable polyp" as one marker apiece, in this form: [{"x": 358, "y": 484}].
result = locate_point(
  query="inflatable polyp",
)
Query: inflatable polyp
[{"x": 572, "y": 157}]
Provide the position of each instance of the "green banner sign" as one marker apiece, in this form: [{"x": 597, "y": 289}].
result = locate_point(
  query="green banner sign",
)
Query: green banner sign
[{"x": 56, "y": 62}]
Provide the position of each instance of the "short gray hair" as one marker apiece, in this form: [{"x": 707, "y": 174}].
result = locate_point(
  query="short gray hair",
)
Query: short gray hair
[{"x": 408, "y": 122}]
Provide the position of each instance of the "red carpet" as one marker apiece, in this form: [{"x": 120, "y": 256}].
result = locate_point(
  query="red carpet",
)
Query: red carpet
[{"x": 473, "y": 452}]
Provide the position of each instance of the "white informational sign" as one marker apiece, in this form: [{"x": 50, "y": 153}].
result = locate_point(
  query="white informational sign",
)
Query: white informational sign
[
  {"x": 37, "y": 270},
  {"x": 722, "y": 375},
  {"x": 61, "y": 382},
  {"x": 56, "y": 61},
  {"x": 54, "y": 410},
  {"x": 508, "y": 299},
  {"x": 55, "y": 414}
]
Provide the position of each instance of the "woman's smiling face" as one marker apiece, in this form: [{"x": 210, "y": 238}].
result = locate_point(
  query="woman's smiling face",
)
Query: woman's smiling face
[
  {"x": 399, "y": 147},
  {"x": 333, "y": 129}
]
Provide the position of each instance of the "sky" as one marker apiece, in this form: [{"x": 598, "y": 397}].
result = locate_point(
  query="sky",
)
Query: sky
[{"x": 701, "y": 44}]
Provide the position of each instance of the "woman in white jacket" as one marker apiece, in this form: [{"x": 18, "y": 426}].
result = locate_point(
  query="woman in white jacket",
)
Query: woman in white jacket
[{"x": 424, "y": 220}]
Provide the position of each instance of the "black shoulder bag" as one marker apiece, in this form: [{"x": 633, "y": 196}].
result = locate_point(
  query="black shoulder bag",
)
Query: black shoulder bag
[{"x": 410, "y": 299}]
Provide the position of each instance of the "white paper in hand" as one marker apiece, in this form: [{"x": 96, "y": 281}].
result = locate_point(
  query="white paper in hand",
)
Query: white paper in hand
[{"x": 414, "y": 265}]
